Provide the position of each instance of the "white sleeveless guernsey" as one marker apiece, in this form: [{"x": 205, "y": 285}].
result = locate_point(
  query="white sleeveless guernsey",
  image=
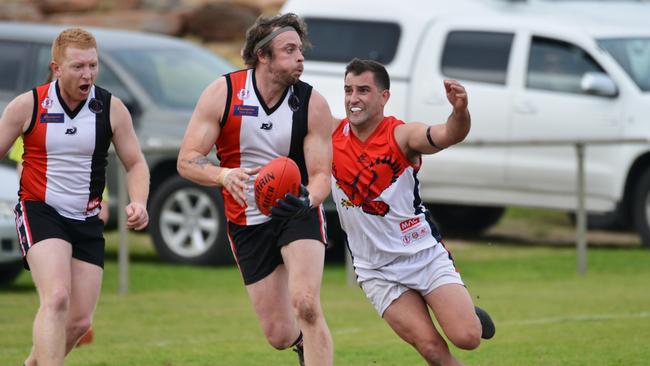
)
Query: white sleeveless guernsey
[
  {"x": 376, "y": 191},
  {"x": 252, "y": 134},
  {"x": 65, "y": 158}
]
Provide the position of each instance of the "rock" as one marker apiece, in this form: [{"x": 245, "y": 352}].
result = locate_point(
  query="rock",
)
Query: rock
[
  {"x": 20, "y": 11},
  {"x": 169, "y": 23},
  {"x": 220, "y": 22},
  {"x": 269, "y": 7},
  {"x": 66, "y": 6},
  {"x": 112, "y": 5}
]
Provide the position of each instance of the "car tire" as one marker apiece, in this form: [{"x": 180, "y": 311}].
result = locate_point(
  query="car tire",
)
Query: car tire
[
  {"x": 642, "y": 208},
  {"x": 9, "y": 272},
  {"x": 465, "y": 220},
  {"x": 188, "y": 224}
]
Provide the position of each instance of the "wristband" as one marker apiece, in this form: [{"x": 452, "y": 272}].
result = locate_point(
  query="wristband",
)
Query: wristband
[{"x": 223, "y": 173}]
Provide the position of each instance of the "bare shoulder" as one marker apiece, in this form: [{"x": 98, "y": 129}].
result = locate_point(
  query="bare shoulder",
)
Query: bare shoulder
[
  {"x": 404, "y": 130},
  {"x": 119, "y": 113},
  {"x": 212, "y": 101},
  {"x": 21, "y": 105},
  {"x": 20, "y": 109},
  {"x": 319, "y": 110},
  {"x": 317, "y": 102}
]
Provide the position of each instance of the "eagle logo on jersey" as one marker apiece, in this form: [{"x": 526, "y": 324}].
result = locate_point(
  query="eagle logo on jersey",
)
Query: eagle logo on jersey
[{"x": 368, "y": 184}]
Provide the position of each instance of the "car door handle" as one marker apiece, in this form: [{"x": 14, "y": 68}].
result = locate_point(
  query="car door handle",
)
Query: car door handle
[{"x": 525, "y": 107}]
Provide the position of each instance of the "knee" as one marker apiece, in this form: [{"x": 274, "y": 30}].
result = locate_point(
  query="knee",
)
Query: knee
[
  {"x": 279, "y": 336},
  {"x": 307, "y": 307},
  {"x": 468, "y": 339},
  {"x": 78, "y": 327},
  {"x": 57, "y": 301}
]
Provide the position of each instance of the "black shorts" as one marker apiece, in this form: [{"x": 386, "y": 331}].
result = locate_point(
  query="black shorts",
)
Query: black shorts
[
  {"x": 37, "y": 221},
  {"x": 257, "y": 247}
]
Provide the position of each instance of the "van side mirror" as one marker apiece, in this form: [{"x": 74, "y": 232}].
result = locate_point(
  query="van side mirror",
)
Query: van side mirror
[{"x": 598, "y": 83}]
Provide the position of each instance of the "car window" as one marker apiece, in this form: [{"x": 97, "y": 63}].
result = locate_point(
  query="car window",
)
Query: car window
[
  {"x": 558, "y": 66},
  {"x": 12, "y": 59},
  {"x": 106, "y": 77},
  {"x": 633, "y": 54},
  {"x": 171, "y": 81},
  {"x": 363, "y": 39},
  {"x": 477, "y": 56}
]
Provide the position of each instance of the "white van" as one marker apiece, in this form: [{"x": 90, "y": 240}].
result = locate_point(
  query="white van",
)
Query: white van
[{"x": 534, "y": 70}]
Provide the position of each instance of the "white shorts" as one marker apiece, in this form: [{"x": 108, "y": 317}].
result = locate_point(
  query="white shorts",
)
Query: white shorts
[{"x": 423, "y": 272}]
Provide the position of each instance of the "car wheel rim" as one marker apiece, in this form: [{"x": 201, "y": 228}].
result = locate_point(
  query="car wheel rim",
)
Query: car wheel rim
[{"x": 189, "y": 222}]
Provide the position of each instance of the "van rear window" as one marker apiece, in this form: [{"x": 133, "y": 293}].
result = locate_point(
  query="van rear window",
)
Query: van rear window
[
  {"x": 477, "y": 56},
  {"x": 363, "y": 39}
]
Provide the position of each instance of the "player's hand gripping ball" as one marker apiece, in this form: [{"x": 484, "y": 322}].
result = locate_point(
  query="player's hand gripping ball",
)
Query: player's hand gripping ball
[{"x": 279, "y": 177}]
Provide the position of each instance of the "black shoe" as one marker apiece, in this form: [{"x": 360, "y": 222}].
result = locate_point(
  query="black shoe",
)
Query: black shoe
[
  {"x": 301, "y": 354},
  {"x": 487, "y": 324}
]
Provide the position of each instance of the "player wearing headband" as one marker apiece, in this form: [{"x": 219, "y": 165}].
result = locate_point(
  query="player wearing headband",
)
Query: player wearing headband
[{"x": 253, "y": 116}]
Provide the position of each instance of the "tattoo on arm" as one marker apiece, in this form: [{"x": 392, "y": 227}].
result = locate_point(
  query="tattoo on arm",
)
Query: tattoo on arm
[{"x": 201, "y": 161}]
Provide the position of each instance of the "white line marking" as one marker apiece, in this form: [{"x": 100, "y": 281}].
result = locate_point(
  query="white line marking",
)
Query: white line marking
[{"x": 578, "y": 318}]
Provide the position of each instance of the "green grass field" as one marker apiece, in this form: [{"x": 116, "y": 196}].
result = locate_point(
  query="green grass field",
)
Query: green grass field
[{"x": 545, "y": 313}]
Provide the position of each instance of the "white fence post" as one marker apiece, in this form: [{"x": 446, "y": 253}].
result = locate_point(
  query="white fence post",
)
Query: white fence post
[
  {"x": 581, "y": 214},
  {"x": 123, "y": 251}
]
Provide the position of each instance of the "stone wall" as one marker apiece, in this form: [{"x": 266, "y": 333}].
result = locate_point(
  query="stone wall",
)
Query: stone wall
[{"x": 218, "y": 24}]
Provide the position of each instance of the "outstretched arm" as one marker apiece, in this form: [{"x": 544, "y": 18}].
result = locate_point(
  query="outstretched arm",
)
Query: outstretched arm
[
  {"x": 417, "y": 138},
  {"x": 128, "y": 150}
]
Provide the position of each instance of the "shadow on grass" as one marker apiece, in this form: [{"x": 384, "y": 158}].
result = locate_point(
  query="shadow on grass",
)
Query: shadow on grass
[{"x": 17, "y": 288}]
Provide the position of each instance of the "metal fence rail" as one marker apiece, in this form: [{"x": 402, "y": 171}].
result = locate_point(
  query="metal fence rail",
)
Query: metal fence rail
[
  {"x": 581, "y": 210},
  {"x": 581, "y": 213}
]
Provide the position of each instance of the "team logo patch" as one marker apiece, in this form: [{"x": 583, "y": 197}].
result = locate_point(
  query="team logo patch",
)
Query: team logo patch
[
  {"x": 364, "y": 188},
  {"x": 52, "y": 118},
  {"x": 243, "y": 94},
  {"x": 47, "y": 103},
  {"x": 294, "y": 102},
  {"x": 96, "y": 106},
  {"x": 415, "y": 235},
  {"x": 266, "y": 126},
  {"x": 407, "y": 224},
  {"x": 246, "y": 110}
]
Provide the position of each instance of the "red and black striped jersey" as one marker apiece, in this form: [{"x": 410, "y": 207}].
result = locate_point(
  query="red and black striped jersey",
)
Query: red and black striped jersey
[
  {"x": 65, "y": 158},
  {"x": 252, "y": 134}
]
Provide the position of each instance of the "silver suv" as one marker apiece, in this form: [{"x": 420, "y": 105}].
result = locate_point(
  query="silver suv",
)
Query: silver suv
[
  {"x": 159, "y": 78},
  {"x": 10, "y": 256}
]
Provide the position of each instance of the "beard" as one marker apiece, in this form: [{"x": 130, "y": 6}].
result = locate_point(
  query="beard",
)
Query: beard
[{"x": 285, "y": 77}]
